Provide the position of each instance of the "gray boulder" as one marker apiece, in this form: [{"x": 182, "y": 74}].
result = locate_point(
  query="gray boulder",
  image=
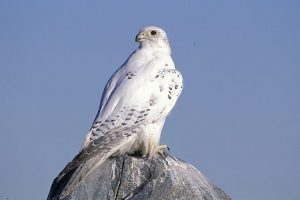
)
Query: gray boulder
[{"x": 137, "y": 178}]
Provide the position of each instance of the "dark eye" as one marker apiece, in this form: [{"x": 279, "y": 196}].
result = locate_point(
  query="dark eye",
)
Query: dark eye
[{"x": 153, "y": 32}]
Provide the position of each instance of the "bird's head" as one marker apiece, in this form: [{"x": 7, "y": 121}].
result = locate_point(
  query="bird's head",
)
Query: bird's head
[{"x": 153, "y": 37}]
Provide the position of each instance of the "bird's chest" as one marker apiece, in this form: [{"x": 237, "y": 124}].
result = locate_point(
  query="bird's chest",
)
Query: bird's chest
[{"x": 148, "y": 71}]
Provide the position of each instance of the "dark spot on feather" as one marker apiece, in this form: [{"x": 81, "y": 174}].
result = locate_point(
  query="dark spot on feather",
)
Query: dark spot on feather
[
  {"x": 94, "y": 126},
  {"x": 96, "y": 142},
  {"x": 127, "y": 134}
]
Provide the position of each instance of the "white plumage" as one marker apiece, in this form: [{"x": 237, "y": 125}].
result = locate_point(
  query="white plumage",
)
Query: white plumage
[{"x": 133, "y": 108}]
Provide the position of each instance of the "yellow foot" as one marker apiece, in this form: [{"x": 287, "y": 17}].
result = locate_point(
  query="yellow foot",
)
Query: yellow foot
[{"x": 163, "y": 150}]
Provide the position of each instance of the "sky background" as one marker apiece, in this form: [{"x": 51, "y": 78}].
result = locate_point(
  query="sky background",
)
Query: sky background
[{"x": 237, "y": 120}]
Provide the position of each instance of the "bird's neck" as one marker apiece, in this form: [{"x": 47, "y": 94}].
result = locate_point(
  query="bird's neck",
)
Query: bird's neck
[
  {"x": 155, "y": 48},
  {"x": 146, "y": 54}
]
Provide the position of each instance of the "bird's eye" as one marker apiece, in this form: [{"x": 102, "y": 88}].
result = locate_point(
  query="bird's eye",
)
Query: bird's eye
[{"x": 153, "y": 32}]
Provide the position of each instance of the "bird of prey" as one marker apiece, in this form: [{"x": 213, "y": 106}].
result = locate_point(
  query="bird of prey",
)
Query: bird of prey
[{"x": 133, "y": 109}]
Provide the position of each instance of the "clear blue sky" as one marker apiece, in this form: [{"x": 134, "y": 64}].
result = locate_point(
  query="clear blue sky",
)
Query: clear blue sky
[{"x": 237, "y": 121}]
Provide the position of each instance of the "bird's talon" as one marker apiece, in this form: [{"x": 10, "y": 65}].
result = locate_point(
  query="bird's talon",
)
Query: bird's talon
[{"x": 163, "y": 150}]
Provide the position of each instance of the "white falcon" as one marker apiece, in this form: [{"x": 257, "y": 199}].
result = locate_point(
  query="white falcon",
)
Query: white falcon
[{"x": 133, "y": 109}]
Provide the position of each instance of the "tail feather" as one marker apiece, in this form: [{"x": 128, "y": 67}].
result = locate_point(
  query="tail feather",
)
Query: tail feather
[
  {"x": 63, "y": 185},
  {"x": 70, "y": 176},
  {"x": 80, "y": 173},
  {"x": 84, "y": 163}
]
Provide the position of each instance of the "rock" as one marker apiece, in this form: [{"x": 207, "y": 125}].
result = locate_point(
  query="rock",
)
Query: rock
[{"x": 136, "y": 178}]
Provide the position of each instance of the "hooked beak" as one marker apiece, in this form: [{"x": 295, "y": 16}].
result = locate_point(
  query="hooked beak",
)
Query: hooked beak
[{"x": 140, "y": 37}]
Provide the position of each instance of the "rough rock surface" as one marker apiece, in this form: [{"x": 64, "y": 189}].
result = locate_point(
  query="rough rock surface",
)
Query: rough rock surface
[{"x": 136, "y": 178}]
